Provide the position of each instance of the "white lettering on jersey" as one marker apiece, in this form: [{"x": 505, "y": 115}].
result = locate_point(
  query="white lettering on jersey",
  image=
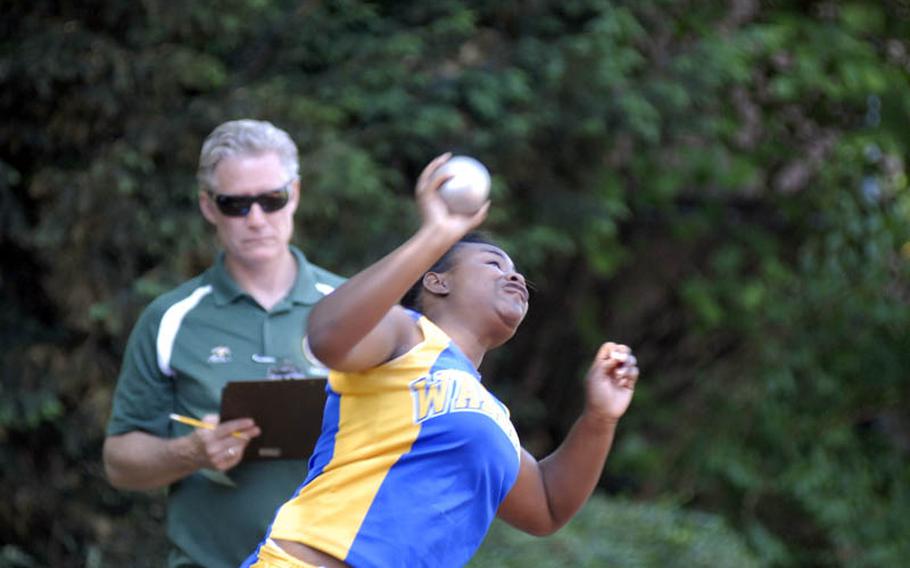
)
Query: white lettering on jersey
[{"x": 451, "y": 390}]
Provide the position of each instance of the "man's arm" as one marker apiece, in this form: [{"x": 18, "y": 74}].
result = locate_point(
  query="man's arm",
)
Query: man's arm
[{"x": 140, "y": 461}]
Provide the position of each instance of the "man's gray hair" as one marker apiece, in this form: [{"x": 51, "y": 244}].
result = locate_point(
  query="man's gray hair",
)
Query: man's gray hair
[{"x": 244, "y": 137}]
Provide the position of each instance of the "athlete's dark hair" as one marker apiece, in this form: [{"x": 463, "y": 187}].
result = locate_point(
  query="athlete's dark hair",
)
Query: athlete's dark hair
[{"x": 413, "y": 296}]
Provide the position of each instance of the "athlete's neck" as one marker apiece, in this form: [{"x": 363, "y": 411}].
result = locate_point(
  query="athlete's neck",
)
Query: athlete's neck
[{"x": 466, "y": 339}]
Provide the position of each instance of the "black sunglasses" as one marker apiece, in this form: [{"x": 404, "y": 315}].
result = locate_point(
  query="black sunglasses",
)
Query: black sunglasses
[{"x": 240, "y": 205}]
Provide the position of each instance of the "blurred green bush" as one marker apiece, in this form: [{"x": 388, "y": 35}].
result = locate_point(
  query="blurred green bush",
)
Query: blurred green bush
[
  {"x": 618, "y": 533},
  {"x": 721, "y": 185}
]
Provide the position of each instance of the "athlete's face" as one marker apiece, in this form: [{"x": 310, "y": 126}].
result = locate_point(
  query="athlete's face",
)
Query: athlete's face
[
  {"x": 483, "y": 276},
  {"x": 257, "y": 236}
]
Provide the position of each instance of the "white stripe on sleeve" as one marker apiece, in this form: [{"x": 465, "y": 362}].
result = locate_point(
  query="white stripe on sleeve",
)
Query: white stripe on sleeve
[{"x": 170, "y": 325}]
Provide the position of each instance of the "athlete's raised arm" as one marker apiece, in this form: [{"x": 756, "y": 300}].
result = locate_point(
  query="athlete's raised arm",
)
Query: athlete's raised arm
[{"x": 360, "y": 324}]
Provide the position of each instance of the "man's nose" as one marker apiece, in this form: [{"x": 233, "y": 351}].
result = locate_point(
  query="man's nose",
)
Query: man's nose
[{"x": 256, "y": 215}]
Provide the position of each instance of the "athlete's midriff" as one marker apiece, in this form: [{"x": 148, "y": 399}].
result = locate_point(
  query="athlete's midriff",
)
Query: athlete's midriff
[{"x": 309, "y": 554}]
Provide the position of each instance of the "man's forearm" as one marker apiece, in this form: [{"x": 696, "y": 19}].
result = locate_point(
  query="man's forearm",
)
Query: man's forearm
[{"x": 141, "y": 461}]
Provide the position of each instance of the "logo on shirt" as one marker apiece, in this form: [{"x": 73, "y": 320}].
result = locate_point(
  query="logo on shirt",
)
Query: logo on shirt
[
  {"x": 220, "y": 354},
  {"x": 285, "y": 369},
  {"x": 317, "y": 367},
  {"x": 451, "y": 390}
]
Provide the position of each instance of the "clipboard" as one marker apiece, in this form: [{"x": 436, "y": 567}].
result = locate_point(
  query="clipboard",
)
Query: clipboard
[{"x": 287, "y": 411}]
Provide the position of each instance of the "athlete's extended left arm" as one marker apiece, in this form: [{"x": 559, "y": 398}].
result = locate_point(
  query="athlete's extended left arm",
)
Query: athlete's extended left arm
[{"x": 549, "y": 493}]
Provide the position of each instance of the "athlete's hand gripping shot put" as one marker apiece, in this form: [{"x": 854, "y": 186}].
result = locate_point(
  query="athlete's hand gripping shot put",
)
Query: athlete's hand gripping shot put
[{"x": 416, "y": 457}]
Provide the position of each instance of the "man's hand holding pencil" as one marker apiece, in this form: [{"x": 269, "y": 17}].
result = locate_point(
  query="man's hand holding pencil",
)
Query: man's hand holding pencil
[{"x": 220, "y": 445}]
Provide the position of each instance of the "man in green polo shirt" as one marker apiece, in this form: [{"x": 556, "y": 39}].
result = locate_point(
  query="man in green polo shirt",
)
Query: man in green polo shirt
[{"x": 244, "y": 318}]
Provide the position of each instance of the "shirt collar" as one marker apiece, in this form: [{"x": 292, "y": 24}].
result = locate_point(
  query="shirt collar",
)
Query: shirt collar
[{"x": 304, "y": 291}]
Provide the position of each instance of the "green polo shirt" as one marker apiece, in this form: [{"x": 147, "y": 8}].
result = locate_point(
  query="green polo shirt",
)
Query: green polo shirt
[{"x": 186, "y": 345}]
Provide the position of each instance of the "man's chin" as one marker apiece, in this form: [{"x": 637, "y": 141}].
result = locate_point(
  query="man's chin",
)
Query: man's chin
[{"x": 256, "y": 252}]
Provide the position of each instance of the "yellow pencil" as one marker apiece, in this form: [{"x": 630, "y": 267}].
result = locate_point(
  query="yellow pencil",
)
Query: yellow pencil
[{"x": 200, "y": 424}]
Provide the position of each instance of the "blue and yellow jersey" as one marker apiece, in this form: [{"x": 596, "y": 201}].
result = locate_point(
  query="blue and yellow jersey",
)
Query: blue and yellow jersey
[{"x": 413, "y": 462}]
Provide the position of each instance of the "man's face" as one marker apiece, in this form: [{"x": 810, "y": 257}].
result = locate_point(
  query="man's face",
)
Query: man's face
[{"x": 258, "y": 236}]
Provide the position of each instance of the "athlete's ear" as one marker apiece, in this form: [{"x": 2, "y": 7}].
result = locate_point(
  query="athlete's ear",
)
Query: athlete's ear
[{"x": 436, "y": 283}]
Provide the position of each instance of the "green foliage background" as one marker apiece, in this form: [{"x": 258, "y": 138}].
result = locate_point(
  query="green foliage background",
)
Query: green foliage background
[{"x": 722, "y": 185}]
